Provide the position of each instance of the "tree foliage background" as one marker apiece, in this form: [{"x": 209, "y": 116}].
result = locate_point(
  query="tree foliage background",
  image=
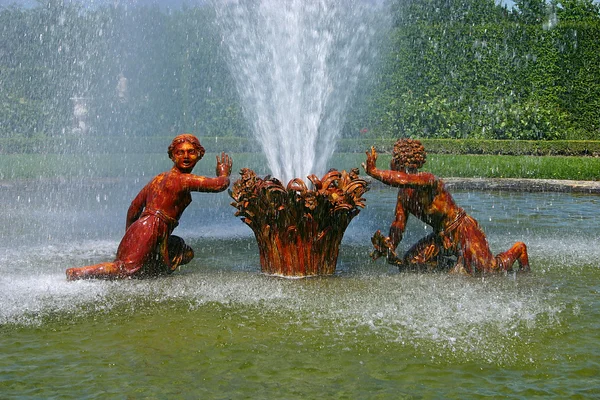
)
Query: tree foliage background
[
  {"x": 136, "y": 70},
  {"x": 472, "y": 68},
  {"x": 449, "y": 68}
]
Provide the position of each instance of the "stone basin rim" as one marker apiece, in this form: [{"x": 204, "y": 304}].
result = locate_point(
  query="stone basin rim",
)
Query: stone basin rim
[{"x": 517, "y": 185}]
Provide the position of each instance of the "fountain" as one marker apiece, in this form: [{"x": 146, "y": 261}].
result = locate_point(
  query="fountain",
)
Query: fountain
[
  {"x": 296, "y": 64},
  {"x": 217, "y": 328}
]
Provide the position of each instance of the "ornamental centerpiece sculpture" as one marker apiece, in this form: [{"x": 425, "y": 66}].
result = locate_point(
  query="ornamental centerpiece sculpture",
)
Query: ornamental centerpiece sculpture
[
  {"x": 299, "y": 229},
  {"x": 296, "y": 65}
]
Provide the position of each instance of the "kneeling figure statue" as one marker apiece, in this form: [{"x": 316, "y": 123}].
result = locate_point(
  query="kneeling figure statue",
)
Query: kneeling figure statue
[
  {"x": 455, "y": 233},
  {"x": 148, "y": 248}
]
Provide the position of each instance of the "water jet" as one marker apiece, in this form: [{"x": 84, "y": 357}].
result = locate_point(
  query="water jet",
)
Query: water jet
[{"x": 296, "y": 65}]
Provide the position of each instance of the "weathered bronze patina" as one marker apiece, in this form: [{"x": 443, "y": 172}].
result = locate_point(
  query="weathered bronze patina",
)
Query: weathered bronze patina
[{"x": 299, "y": 230}]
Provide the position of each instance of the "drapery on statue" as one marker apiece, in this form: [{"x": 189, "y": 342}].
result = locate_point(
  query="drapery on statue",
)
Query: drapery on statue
[
  {"x": 298, "y": 230},
  {"x": 148, "y": 248},
  {"x": 455, "y": 234}
]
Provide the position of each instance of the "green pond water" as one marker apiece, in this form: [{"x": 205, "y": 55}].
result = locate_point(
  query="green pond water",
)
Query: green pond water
[{"x": 219, "y": 329}]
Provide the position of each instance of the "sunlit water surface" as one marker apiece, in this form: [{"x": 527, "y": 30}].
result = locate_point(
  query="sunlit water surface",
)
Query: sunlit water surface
[{"x": 218, "y": 328}]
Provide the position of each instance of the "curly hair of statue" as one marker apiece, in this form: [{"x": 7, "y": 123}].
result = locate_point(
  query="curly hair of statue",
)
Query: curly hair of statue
[{"x": 408, "y": 153}]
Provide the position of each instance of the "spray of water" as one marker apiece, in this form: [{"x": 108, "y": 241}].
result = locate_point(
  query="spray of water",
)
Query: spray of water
[{"x": 296, "y": 64}]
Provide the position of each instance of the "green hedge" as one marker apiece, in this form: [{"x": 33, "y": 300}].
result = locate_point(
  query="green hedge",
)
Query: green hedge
[
  {"x": 116, "y": 144},
  {"x": 159, "y": 144},
  {"x": 491, "y": 147}
]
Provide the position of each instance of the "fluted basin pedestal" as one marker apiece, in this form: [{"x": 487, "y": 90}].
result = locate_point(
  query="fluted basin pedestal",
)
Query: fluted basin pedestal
[{"x": 299, "y": 230}]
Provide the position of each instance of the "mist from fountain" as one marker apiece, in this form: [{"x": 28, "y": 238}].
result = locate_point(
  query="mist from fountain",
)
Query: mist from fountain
[{"x": 296, "y": 65}]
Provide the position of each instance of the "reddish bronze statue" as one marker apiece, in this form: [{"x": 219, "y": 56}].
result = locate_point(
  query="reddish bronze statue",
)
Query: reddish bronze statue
[
  {"x": 455, "y": 234},
  {"x": 148, "y": 248},
  {"x": 299, "y": 230}
]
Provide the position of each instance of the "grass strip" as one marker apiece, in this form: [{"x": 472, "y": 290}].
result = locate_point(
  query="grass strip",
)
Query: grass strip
[{"x": 69, "y": 166}]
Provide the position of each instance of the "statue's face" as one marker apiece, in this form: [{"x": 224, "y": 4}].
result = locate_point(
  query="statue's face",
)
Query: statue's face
[{"x": 185, "y": 157}]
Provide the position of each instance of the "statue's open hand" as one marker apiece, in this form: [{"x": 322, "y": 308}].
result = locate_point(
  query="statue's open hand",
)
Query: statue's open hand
[
  {"x": 224, "y": 165},
  {"x": 383, "y": 247},
  {"x": 371, "y": 163}
]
